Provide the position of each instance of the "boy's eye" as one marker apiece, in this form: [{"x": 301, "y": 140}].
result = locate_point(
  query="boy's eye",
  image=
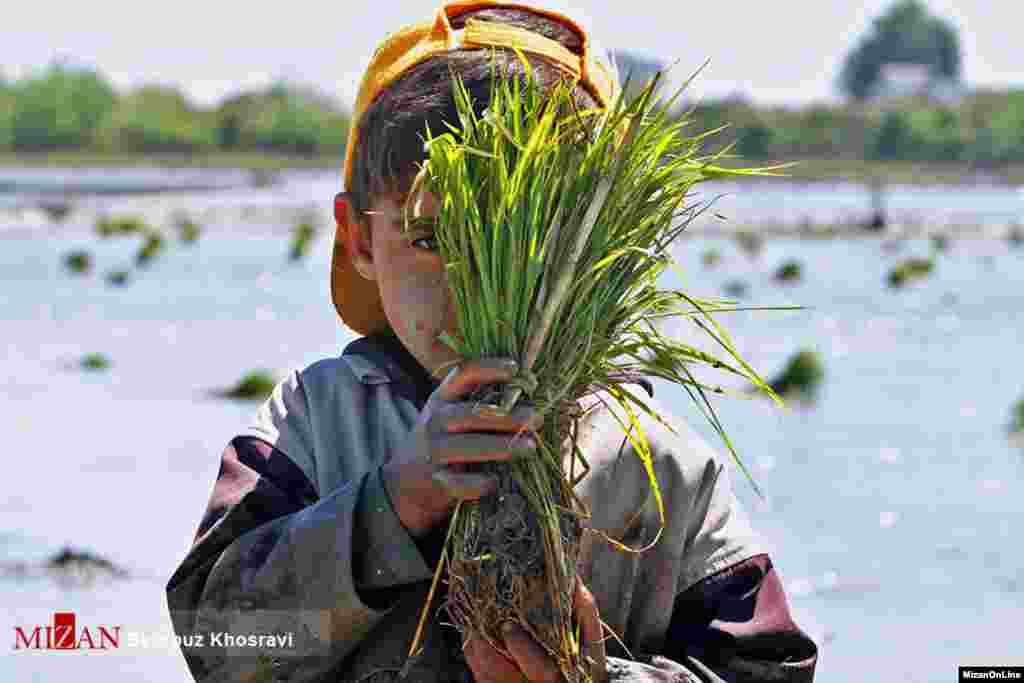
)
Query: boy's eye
[{"x": 428, "y": 243}]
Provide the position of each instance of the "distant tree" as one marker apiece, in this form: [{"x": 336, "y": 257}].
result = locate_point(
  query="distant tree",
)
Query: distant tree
[
  {"x": 937, "y": 132},
  {"x": 905, "y": 34},
  {"x": 754, "y": 141},
  {"x": 1007, "y": 125},
  {"x": 6, "y": 114},
  {"x": 60, "y": 107},
  {"x": 895, "y": 139},
  {"x": 156, "y": 119},
  {"x": 284, "y": 118}
]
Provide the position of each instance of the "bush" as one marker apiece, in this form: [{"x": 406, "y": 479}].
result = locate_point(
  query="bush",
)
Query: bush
[{"x": 60, "y": 107}]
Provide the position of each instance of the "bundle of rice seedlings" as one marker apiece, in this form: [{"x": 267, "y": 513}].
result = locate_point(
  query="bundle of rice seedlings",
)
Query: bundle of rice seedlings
[{"x": 554, "y": 225}]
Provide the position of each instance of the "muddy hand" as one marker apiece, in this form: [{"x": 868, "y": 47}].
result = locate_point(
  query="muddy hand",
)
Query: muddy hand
[
  {"x": 529, "y": 661},
  {"x": 428, "y": 477}
]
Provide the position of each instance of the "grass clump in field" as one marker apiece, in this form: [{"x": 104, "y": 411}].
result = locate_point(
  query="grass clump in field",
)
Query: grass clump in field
[
  {"x": 801, "y": 377},
  {"x": 554, "y": 228},
  {"x": 254, "y": 385},
  {"x": 750, "y": 242},
  {"x": 119, "y": 226},
  {"x": 908, "y": 271},
  {"x": 1017, "y": 419},
  {"x": 151, "y": 247},
  {"x": 789, "y": 272},
  {"x": 78, "y": 262},
  {"x": 303, "y": 235},
  {"x": 737, "y": 289},
  {"x": 188, "y": 230},
  {"x": 118, "y": 278},
  {"x": 95, "y": 362}
]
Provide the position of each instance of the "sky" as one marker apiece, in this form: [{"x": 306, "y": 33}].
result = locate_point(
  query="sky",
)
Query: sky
[{"x": 784, "y": 52}]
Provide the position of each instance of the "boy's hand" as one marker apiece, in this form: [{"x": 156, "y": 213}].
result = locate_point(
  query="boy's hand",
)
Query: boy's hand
[
  {"x": 428, "y": 478},
  {"x": 530, "y": 661}
]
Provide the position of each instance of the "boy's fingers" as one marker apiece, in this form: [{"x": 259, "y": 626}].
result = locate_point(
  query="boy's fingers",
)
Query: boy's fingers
[
  {"x": 474, "y": 374},
  {"x": 464, "y": 486},
  {"x": 465, "y": 449},
  {"x": 467, "y": 417},
  {"x": 592, "y": 647},
  {"x": 532, "y": 659}
]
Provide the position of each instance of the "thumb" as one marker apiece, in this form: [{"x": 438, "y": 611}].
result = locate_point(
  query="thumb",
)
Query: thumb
[{"x": 592, "y": 648}]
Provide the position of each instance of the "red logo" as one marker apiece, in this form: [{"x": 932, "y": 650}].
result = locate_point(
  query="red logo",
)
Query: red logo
[{"x": 64, "y": 634}]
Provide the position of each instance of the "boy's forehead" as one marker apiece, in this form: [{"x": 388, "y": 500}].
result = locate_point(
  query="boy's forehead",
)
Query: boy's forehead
[{"x": 393, "y": 205}]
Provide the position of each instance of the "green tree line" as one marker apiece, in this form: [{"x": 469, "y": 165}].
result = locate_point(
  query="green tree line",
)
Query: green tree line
[
  {"x": 72, "y": 107},
  {"x": 983, "y": 128}
]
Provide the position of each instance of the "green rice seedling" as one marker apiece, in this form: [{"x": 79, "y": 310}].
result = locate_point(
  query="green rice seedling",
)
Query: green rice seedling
[
  {"x": 78, "y": 261},
  {"x": 254, "y": 385},
  {"x": 910, "y": 270},
  {"x": 153, "y": 245},
  {"x": 801, "y": 377},
  {"x": 750, "y": 242},
  {"x": 188, "y": 230},
  {"x": 554, "y": 225},
  {"x": 788, "y": 272},
  {"x": 95, "y": 362},
  {"x": 736, "y": 289},
  {"x": 302, "y": 238},
  {"x": 117, "y": 278},
  {"x": 1017, "y": 418},
  {"x": 83, "y": 565}
]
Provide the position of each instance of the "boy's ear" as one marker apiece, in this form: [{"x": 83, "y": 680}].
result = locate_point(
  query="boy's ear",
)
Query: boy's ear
[{"x": 354, "y": 234}]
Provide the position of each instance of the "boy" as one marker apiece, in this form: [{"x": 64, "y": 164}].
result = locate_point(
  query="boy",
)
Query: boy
[{"x": 328, "y": 515}]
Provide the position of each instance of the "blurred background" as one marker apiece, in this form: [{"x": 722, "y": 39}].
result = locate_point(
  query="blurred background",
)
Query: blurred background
[{"x": 166, "y": 179}]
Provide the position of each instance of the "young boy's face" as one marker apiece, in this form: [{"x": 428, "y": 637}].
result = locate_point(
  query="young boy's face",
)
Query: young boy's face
[{"x": 410, "y": 276}]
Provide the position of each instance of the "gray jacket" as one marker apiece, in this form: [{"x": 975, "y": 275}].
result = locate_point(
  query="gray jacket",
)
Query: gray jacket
[{"x": 300, "y": 538}]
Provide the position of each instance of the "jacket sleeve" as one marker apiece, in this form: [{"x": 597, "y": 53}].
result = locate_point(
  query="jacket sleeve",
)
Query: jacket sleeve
[
  {"x": 732, "y": 627},
  {"x": 736, "y": 626},
  {"x": 704, "y": 603},
  {"x": 271, "y": 557}
]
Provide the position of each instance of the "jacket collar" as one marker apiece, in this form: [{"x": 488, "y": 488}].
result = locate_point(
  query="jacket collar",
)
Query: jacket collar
[{"x": 383, "y": 359}]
